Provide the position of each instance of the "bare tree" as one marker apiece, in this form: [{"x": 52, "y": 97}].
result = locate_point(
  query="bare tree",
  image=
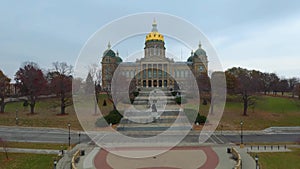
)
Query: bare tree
[
  {"x": 61, "y": 83},
  {"x": 4, "y": 86},
  {"x": 246, "y": 87},
  {"x": 95, "y": 72},
  {"x": 4, "y": 146},
  {"x": 274, "y": 83},
  {"x": 297, "y": 90},
  {"x": 93, "y": 82},
  {"x": 292, "y": 83},
  {"x": 283, "y": 86}
]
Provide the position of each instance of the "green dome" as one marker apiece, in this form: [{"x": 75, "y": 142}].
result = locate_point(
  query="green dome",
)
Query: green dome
[
  {"x": 200, "y": 51},
  {"x": 190, "y": 59},
  {"x": 119, "y": 60},
  {"x": 109, "y": 52}
]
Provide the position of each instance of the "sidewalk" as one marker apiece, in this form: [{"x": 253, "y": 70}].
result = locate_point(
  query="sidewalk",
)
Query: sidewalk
[
  {"x": 33, "y": 151},
  {"x": 87, "y": 161},
  {"x": 225, "y": 159},
  {"x": 65, "y": 161},
  {"x": 247, "y": 161}
]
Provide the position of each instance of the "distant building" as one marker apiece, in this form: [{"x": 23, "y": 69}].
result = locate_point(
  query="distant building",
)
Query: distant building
[
  {"x": 154, "y": 69},
  {"x": 13, "y": 89}
]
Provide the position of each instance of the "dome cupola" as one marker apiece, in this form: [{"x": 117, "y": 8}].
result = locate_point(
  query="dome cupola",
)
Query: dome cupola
[
  {"x": 198, "y": 54},
  {"x": 109, "y": 51},
  {"x": 200, "y": 51},
  {"x": 154, "y": 34}
]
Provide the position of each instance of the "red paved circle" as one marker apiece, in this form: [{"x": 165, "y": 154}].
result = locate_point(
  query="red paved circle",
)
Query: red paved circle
[{"x": 212, "y": 160}]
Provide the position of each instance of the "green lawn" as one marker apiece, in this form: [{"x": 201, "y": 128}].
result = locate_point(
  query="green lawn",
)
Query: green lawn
[
  {"x": 278, "y": 104},
  {"x": 280, "y": 160},
  {"x": 268, "y": 111},
  {"x": 26, "y": 161},
  {"x": 51, "y": 146},
  {"x": 46, "y": 114}
]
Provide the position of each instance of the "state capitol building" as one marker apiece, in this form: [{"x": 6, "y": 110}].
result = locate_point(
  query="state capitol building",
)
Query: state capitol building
[{"x": 154, "y": 69}]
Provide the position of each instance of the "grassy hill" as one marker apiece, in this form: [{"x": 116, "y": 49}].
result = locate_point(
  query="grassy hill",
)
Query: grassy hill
[{"x": 268, "y": 111}]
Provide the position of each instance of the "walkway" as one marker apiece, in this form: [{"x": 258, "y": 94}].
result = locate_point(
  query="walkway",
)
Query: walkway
[
  {"x": 31, "y": 151},
  {"x": 186, "y": 157}
]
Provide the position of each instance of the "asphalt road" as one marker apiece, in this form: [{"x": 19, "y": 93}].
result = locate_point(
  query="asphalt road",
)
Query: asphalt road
[
  {"x": 265, "y": 138},
  {"x": 40, "y": 135},
  {"x": 50, "y": 135}
]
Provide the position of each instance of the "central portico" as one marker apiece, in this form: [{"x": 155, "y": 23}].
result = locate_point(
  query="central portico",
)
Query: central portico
[
  {"x": 155, "y": 64},
  {"x": 154, "y": 69}
]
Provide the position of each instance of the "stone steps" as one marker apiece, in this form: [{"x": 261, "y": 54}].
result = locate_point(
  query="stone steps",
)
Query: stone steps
[
  {"x": 146, "y": 102},
  {"x": 154, "y": 128},
  {"x": 148, "y": 113},
  {"x": 147, "y": 119},
  {"x": 161, "y": 120}
]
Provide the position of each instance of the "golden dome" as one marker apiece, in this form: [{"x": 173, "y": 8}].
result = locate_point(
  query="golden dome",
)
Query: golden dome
[{"x": 154, "y": 34}]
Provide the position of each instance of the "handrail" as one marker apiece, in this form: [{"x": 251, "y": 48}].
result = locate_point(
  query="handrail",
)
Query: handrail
[
  {"x": 238, "y": 158},
  {"x": 73, "y": 159}
]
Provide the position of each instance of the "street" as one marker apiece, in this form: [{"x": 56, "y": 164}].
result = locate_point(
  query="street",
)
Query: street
[{"x": 53, "y": 135}]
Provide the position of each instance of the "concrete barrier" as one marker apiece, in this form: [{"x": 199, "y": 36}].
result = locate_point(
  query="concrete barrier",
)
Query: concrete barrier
[{"x": 237, "y": 157}]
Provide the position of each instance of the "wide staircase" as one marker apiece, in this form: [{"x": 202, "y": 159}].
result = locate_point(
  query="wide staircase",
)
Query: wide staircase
[{"x": 154, "y": 109}]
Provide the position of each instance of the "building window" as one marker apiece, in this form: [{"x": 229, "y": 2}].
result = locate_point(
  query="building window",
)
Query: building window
[
  {"x": 165, "y": 70},
  {"x": 159, "y": 73},
  {"x": 201, "y": 68},
  {"x": 132, "y": 74},
  {"x": 149, "y": 73},
  {"x": 186, "y": 73},
  {"x": 144, "y": 73}
]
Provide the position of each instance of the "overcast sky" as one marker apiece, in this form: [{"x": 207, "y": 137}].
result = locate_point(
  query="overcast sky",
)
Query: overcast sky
[{"x": 256, "y": 34}]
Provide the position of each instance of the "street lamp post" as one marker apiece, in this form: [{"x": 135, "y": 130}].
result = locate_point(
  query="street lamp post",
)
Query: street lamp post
[
  {"x": 79, "y": 137},
  {"x": 17, "y": 117},
  {"x": 62, "y": 150},
  {"x": 242, "y": 142},
  {"x": 256, "y": 161},
  {"x": 54, "y": 163},
  {"x": 69, "y": 126}
]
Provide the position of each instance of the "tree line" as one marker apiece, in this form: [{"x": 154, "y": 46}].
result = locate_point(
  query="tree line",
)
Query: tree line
[
  {"x": 247, "y": 83},
  {"x": 33, "y": 82}
]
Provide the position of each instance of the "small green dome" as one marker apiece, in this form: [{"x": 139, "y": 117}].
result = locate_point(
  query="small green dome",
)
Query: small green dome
[
  {"x": 109, "y": 52},
  {"x": 190, "y": 59},
  {"x": 119, "y": 60},
  {"x": 200, "y": 51}
]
